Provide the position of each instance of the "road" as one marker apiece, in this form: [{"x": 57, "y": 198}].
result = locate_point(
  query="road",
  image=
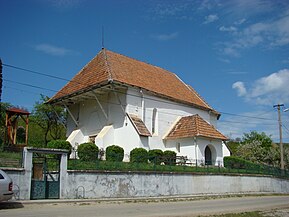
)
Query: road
[{"x": 147, "y": 209}]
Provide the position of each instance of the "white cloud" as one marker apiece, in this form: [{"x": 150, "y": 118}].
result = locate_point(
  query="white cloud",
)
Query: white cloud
[
  {"x": 267, "y": 90},
  {"x": 166, "y": 9},
  {"x": 211, "y": 18},
  {"x": 228, "y": 29},
  {"x": 240, "y": 22},
  {"x": 240, "y": 87},
  {"x": 165, "y": 37},
  {"x": 54, "y": 50},
  {"x": 268, "y": 34}
]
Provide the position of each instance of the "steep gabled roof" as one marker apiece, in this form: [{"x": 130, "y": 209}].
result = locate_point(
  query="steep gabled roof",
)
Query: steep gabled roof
[
  {"x": 110, "y": 67},
  {"x": 194, "y": 126}
]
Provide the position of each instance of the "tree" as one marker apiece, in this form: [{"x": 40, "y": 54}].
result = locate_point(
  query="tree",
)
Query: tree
[
  {"x": 3, "y": 108},
  {"x": 51, "y": 119},
  {"x": 258, "y": 148},
  {"x": 265, "y": 141}
]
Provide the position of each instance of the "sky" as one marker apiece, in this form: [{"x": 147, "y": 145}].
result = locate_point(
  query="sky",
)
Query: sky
[{"x": 235, "y": 53}]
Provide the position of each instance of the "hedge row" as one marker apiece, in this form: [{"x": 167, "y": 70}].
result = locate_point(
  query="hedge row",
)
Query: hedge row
[
  {"x": 156, "y": 156},
  {"x": 89, "y": 152},
  {"x": 233, "y": 162}
]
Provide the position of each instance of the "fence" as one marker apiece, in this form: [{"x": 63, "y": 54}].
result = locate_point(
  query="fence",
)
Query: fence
[{"x": 179, "y": 164}]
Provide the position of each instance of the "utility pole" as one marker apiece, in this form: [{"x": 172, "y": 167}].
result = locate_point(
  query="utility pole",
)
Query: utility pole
[{"x": 280, "y": 134}]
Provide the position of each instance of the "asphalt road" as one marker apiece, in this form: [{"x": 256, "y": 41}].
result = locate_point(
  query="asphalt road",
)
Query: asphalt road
[{"x": 147, "y": 209}]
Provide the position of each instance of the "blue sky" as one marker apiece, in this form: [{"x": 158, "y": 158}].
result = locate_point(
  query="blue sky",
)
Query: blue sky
[{"x": 234, "y": 53}]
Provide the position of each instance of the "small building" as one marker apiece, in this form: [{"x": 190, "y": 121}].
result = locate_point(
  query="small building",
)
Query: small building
[{"x": 118, "y": 100}]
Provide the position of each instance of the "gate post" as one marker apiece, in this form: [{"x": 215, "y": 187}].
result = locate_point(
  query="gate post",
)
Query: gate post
[
  {"x": 63, "y": 175},
  {"x": 26, "y": 183}
]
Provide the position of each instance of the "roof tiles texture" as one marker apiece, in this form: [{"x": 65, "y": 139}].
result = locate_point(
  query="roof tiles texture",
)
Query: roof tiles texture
[
  {"x": 109, "y": 66},
  {"x": 194, "y": 126},
  {"x": 139, "y": 125}
]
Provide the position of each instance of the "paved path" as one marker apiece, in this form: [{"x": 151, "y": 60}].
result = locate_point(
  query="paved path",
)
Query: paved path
[{"x": 156, "y": 209}]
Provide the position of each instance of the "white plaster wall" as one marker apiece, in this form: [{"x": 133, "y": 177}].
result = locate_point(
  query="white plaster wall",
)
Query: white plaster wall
[
  {"x": 105, "y": 185},
  {"x": 90, "y": 117},
  {"x": 128, "y": 138},
  {"x": 140, "y": 103},
  {"x": 226, "y": 151},
  {"x": 215, "y": 145},
  {"x": 167, "y": 114},
  {"x": 92, "y": 184},
  {"x": 75, "y": 138},
  {"x": 105, "y": 137},
  {"x": 187, "y": 147}
]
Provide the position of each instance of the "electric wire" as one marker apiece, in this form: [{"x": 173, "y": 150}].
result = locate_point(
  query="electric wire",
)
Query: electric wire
[{"x": 134, "y": 95}]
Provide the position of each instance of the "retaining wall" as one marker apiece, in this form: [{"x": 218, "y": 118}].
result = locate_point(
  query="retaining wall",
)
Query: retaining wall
[
  {"x": 107, "y": 184},
  {"x": 91, "y": 184}
]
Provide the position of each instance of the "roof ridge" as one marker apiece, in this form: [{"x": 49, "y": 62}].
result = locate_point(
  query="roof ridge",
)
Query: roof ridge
[
  {"x": 197, "y": 120},
  {"x": 87, "y": 64},
  {"x": 107, "y": 65}
]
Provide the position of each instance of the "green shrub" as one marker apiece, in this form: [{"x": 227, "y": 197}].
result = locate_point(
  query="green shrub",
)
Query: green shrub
[
  {"x": 139, "y": 155},
  {"x": 114, "y": 153},
  {"x": 233, "y": 162},
  {"x": 87, "y": 151},
  {"x": 169, "y": 157},
  {"x": 60, "y": 144},
  {"x": 155, "y": 156}
]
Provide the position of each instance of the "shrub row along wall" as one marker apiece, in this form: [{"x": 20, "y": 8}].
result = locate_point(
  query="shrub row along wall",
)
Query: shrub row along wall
[{"x": 118, "y": 184}]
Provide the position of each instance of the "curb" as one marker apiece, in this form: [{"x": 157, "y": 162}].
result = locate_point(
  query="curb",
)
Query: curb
[{"x": 140, "y": 199}]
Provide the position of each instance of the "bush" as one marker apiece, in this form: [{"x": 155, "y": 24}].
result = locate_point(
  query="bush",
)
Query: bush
[
  {"x": 139, "y": 155},
  {"x": 114, "y": 153},
  {"x": 233, "y": 162},
  {"x": 170, "y": 157},
  {"x": 87, "y": 151},
  {"x": 155, "y": 156},
  {"x": 60, "y": 144}
]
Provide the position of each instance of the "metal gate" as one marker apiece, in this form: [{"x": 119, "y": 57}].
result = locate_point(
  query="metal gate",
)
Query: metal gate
[{"x": 45, "y": 182}]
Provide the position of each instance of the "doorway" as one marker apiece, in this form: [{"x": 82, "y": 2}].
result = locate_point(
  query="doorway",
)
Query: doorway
[{"x": 208, "y": 156}]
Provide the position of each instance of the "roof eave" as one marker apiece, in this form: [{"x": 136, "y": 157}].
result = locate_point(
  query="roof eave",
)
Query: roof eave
[
  {"x": 79, "y": 92},
  {"x": 168, "y": 97},
  {"x": 198, "y": 136}
]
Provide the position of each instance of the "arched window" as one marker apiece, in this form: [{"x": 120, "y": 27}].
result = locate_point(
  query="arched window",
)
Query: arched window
[{"x": 154, "y": 119}]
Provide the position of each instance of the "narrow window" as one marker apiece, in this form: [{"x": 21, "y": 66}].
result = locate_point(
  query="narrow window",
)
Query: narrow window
[
  {"x": 154, "y": 121},
  {"x": 178, "y": 147}
]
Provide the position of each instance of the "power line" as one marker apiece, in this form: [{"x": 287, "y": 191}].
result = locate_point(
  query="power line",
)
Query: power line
[
  {"x": 162, "y": 112},
  {"x": 29, "y": 85},
  {"x": 134, "y": 95},
  {"x": 240, "y": 122},
  {"x": 35, "y": 72},
  {"x": 21, "y": 90},
  {"x": 246, "y": 116}
]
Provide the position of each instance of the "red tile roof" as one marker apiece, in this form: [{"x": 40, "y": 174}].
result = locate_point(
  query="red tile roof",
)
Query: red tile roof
[
  {"x": 17, "y": 111},
  {"x": 109, "y": 67},
  {"x": 194, "y": 126},
  {"x": 139, "y": 125}
]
